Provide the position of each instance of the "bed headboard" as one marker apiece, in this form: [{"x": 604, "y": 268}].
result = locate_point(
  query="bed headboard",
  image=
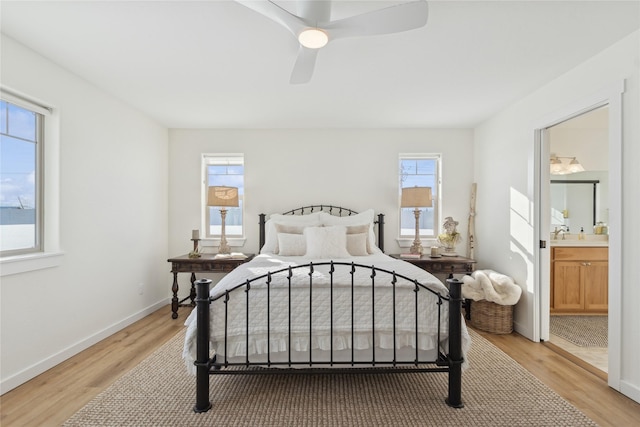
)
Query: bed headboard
[{"x": 331, "y": 210}]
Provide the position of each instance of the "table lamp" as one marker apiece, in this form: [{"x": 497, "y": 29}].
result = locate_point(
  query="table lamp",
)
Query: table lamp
[
  {"x": 223, "y": 197},
  {"x": 416, "y": 197}
]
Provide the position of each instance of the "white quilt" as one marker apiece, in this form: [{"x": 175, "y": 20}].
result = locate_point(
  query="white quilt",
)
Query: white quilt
[{"x": 313, "y": 312}]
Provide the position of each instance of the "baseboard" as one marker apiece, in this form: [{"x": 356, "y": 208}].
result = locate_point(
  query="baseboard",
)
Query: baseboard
[
  {"x": 632, "y": 391},
  {"x": 34, "y": 370},
  {"x": 523, "y": 330}
]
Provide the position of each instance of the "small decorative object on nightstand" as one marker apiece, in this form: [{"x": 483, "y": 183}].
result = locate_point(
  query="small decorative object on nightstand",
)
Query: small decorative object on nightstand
[
  {"x": 416, "y": 197},
  {"x": 450, "y": 238},
  {"x": 223, "y": 197},
  {"x": 195, "y": 237}
]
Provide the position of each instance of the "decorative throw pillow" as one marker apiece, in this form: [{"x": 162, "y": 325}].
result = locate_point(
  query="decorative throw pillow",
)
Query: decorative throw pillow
[
  {"x": 357, "y": 244},
  {"x": 362, "y": 219},
  {"x": 290, "y": 228},
  {"x": 271, "y": 235},
  {"x": 291, "y": 244},
  {"x": 326, "y": 242}
]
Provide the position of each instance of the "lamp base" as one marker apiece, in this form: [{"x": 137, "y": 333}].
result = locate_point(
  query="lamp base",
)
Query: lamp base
[
  {"x": 224, "y": 247},
  {"x": 416, "y": 248}
]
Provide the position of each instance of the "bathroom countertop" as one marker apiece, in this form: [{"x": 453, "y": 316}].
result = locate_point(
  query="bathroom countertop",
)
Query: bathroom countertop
[{"x": 589, "y": 240}]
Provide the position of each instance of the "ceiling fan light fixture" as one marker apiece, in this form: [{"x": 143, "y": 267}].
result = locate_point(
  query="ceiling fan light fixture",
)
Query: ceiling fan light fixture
[{"x": 313, "y": 38}]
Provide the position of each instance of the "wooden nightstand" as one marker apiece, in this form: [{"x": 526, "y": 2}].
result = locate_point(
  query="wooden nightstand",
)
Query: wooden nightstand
[
  {"x": 206, "y": 262},
  {"x": 445, "y": 264}
]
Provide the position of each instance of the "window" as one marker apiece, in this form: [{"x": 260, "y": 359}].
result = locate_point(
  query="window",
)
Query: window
[
  {"x": 21, "y": 130},
  {"x": 223, "y": 170},
  {"x": 420, "y": 171}
]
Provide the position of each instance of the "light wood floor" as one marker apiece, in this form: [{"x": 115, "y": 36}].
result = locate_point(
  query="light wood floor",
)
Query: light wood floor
[
  {"x": 51, "y": 398},
  {"x": 598, "y": 357}
]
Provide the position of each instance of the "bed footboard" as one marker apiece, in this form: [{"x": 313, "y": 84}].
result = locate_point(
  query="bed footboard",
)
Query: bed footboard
[{"x": 451, "y": 362}]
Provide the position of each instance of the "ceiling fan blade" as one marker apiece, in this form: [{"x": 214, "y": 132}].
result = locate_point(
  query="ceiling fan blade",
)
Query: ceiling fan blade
[
  {"x": 274, "y": 12},
  {"x": 305, "y": 63},
  {"x": 394, "y": 19}
]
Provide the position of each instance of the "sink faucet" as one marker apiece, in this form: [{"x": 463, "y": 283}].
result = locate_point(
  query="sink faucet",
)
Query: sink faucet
[{"x": 563, "y": 229}]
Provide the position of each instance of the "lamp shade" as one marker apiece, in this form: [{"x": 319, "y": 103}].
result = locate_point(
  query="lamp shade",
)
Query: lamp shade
[
  {"x": 222, "y": 196},
  {"x": 416, "y": 197}
]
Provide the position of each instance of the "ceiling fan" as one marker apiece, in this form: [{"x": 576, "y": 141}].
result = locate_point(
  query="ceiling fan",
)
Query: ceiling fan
[{"x": 313, "y": 27}]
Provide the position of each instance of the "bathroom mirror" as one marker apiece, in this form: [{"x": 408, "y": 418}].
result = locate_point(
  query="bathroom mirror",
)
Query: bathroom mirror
[{"x": 574, "y": 204}]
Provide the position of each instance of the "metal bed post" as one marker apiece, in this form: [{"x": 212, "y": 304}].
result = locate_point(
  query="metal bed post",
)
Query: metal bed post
[
  {"x": 381, "y": 232},
  {"x": 454, "y": 398},
  {"x": 262, "y": 223},
  {"x": 202, "y": 342}
]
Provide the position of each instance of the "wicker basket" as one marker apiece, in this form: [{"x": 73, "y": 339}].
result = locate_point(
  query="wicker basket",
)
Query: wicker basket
[{"x": 491, "y": 317}]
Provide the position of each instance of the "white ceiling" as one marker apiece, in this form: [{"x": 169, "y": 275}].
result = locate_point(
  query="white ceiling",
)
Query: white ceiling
[{"x": 218, "y": 64}]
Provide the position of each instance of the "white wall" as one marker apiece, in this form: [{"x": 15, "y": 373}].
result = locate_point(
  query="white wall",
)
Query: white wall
[
  {"x": 286, "y": 169},
  {"x": 112, "y": 223},
  {"x": 505, "y": 220},
  {"x": 589, "y": 146}
]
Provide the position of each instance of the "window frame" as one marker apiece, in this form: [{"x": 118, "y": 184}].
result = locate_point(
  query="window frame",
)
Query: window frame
[
  {"x": 51, "y": 254},
  {"x": 211, "y": 159},
  {"x": 405, "y": 240},
  {"x": 41, "y": 114}
]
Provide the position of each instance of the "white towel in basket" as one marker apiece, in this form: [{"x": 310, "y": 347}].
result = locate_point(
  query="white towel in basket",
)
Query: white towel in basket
[{"x": 491, "y": 286}]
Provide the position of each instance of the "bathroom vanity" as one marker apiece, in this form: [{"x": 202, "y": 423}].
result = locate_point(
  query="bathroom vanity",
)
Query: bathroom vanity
[{"x": 579, "y": 276}]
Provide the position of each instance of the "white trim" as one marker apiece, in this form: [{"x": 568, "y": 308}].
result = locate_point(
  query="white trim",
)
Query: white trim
[
  {"x": 215, "y": 242},
  {"x": 540, "y": 329},
  {"x": 49, "y": 186},
  {"x": 402, "y": 239},
  {"x": 209, "y": 159},
  {"x": 630, "y": 390},
  {"x": 611, "y": 96},
  {"x": 615, "y": 237},
  {"x": 38, "y": 368},
  {"x": 30, "y": 262},
  {"x": 24, "y": 101},
  {"x": 427, "y": 242}
]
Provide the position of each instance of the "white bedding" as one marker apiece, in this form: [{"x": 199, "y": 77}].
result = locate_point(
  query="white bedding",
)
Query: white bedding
[{"x": 320, "y": 340}]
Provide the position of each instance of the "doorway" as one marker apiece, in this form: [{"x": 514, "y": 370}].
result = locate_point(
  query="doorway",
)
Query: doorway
[
  {"x": 579, "y": 217},
  {"x": 611, "y": 97}
]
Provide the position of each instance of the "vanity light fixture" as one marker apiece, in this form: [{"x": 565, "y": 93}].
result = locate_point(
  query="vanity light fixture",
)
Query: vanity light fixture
[{"x": 569, "y": 165}]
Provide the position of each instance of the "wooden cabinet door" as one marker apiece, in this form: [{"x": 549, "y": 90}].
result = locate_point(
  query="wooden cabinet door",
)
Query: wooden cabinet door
[
  {"x": 596, "y": 286},
  {"x": 567, "y": 286}
]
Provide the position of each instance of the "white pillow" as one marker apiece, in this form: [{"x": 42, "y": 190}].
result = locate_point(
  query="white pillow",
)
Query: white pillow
[
  {"x": 326, "y": 242},
  {"x": 363, "y": 218},
  {"x": 357, "y": 244},
  {"x": 271, "y": 235},
  {"x": 292, "y": 244}
]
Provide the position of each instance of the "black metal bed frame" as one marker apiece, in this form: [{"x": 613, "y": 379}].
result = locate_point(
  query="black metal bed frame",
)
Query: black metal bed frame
[{"x": 206, "y": 365}]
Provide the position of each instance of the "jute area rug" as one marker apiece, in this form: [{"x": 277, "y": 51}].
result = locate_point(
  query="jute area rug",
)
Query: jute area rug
[
  {"x": 496, "y": 391},
  {"x": 583, "y": 331}
]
